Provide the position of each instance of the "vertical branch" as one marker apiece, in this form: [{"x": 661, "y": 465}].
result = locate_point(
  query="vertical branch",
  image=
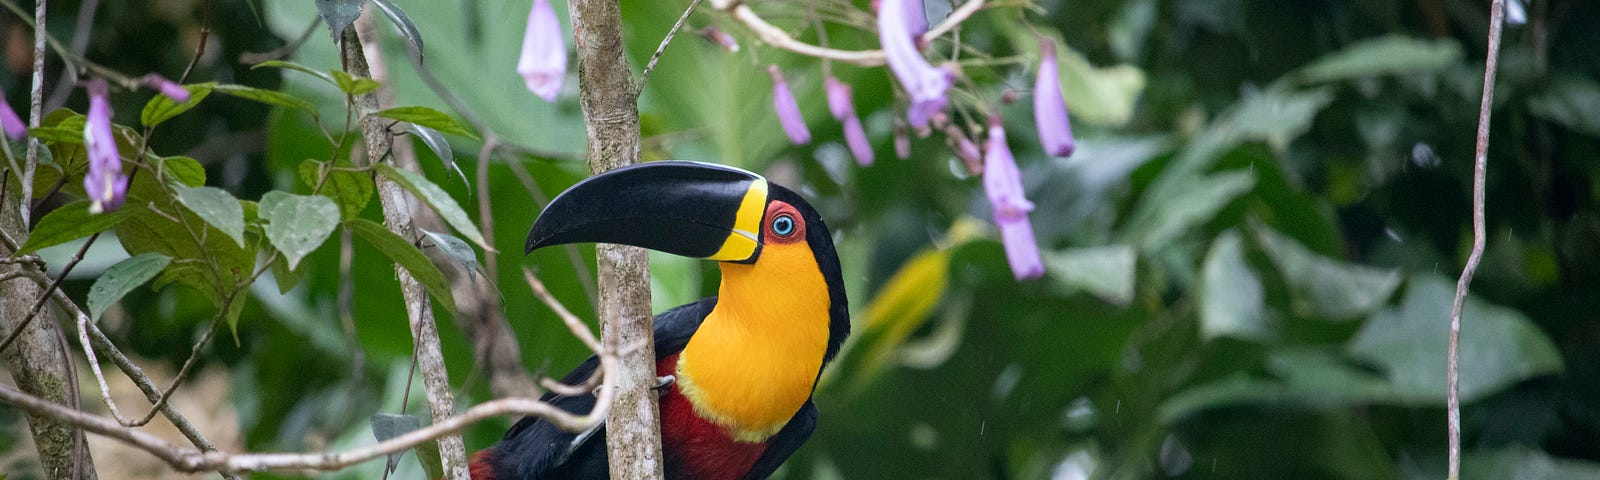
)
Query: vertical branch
[
  {"x": 397, "y": 216},
  {"x": 37, "y": 361},
  {"x": 611, "y": 116},
  {"x": 1480, "y": 165}
]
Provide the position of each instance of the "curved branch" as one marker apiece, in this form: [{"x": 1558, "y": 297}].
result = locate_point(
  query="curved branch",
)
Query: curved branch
[{"x": 867, "y": 58}]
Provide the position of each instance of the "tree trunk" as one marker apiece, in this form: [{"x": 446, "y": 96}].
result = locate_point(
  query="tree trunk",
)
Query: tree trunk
[{"x": 611, "y": 115}]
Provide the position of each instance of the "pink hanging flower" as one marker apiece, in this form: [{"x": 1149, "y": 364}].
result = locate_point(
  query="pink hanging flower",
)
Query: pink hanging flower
[
  {"x": 543, "y": 64},
  {"x": 167, "y": 87},
  {"x": 105, "y": 182},
  {"x": 923, "y": 82},
  {"x": 844, "y": 110},
  {"x": 788, "y": 110},
  {"x": 10, "y": 122},
  {"x": 1049, "y": 110},
  {"x": 1002, "y": 183}
]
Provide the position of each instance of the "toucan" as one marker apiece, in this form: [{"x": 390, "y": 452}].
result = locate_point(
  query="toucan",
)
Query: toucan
[{"x": 743, "y": 364}]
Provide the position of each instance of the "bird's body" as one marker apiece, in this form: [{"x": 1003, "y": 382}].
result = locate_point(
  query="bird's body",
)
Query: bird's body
[{"x": 744, "y": 363}]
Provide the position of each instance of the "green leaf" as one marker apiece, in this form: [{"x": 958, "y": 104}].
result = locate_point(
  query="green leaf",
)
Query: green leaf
[
  {"x": 296, "y": 67},
  {"x": 456, "y": 249},
  {"x": 407, "y": 256},
  {"x": 68, "y": 130},
  {"x": 123, "y": 278},
  {"x": 428, "y": 455},
  {"x": 1523, "y": 463},
  {"x": 351, "y": 190},
  {"x": 70, "y": 222},
  {"x": 1307, "y": 377},
  {"x": 1499, "y": 346},
  {"x": 267, "y": 96},
  {"x": 217, "y": 208},
  {"x": 1388, "y": 55},
  {"x": 1163, "y": 216},
  {"x": 1327, "y": 288},
  {"x": 441, "y": 148},
  {"x": 389, "y": 425},
  {"x": 1571, "y": 101},
  {"x": 353, "y": 85},
  {"x": 298, "y": 224},
  {"x": 436, "y": 198},
  {"x": 1230, "y": 293},
  {"x": 162, "y": 108},
  {"x": 427, "y": 117},
  {"x": 1106, "y": 272},
  {"x": 407, "y": 29}
]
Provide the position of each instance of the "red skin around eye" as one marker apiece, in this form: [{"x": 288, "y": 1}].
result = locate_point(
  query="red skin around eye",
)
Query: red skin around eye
[{"x": 777, "y": 208}]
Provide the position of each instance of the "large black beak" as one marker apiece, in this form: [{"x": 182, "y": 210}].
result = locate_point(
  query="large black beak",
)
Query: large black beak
[{"x": 684, "y": 208}]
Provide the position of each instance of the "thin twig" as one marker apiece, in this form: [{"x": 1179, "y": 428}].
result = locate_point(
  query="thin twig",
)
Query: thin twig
[
  {"x": 81, "y": 33},
  {"x": 1480, "y": 165},
  {"x": 579, "y": 329},
  {"x": 645, "y": 76},
  {"x": 205, "y": 35},
  {"x": 866, "y": 58},
  {"x": 35, "y": 114}
]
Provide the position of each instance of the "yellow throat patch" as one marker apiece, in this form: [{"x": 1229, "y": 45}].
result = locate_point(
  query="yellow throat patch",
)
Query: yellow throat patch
[{"x": 753, "y": 362}]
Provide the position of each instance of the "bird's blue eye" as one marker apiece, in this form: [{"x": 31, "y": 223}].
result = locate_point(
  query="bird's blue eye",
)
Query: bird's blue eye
[{"x": 783, "y": 225}]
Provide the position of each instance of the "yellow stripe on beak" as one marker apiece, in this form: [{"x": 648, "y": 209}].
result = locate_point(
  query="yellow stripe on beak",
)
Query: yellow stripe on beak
[{"x": 746, "y": 236}]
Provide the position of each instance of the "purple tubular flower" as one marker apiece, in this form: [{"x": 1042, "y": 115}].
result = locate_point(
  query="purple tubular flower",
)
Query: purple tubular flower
[
  {"x": 10, "y": 122},
  {"x": 923, "y": 82},
  {"x": 543, "y": 64},
  {"x": 167, "y": 87},
  {"x": 788, "y": 110},
  {"x": 105, "y": 182},
  {"x": 1049, "y": 110},
  {"x": 845, "y": 111},
  {"x": 721, "y": 38},
  {"x": 1002, "y": 183},
  {"x": 902, "y": 140}
]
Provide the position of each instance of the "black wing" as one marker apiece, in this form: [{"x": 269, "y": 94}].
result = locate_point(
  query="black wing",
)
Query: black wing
[
  {"x": 782, "y": 445},
  {"x": 534, "y": 449}
]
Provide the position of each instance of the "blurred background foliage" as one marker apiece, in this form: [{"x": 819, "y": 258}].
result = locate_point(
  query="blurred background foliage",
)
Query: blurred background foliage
[{"x": 1251, "y": 256}]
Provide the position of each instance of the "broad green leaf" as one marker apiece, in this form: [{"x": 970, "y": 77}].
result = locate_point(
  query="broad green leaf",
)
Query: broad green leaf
[
  {"x": 1106, "y": 272},
  {"x": 339, "y": 14},
  {"x": 70, "y": 222},
  {"x": 1230, "y": 293},
  {"x": 69, "y": 130},
  {"x": 1571, "y": 101},
  {"x": 162, "y": 108},
  {"x": 437, "y": 198},
  {"x": 407, "y": 256},
  {"x": 389, "y": 425},
  {"x": 427, "y": 117},
  {"x": 123, "y": 278},
  {"x": 1523, "y": 463},
  {"x": 218, "y": 208},
  {"x": 298, "y": 224},
  {"x": 441, "y": 148},
  {"x": 456, "y": 249},
  {"x": 266, "y": 96},
  {"x": 407, "y": 29},
  {"x": 428, "y": 455},
  {"x": 353, "y": 85},
  {"x": 1499, "y": 346},
  {"x": 351, "y": 190},
  {"x": 296, "y": 67},
  {"x": 182, "y": 171},
  {"x": 1326, "y": 288},
  {"x": 1163, "y": 216},
  {"x": 1388, "y": 55}
]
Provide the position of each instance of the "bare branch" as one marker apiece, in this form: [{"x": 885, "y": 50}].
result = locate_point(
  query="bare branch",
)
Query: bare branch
[
  {"x": 867, "y": 58},
  {"x": 1480, "y": 164}
]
